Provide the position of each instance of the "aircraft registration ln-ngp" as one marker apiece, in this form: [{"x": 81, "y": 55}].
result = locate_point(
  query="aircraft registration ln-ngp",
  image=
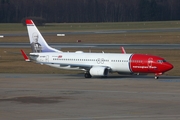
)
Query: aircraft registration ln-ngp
[{"x": 93, "y": 64}]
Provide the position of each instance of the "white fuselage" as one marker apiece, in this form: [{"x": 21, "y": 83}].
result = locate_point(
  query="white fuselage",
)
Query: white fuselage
[{"x": 66, "y": 60}]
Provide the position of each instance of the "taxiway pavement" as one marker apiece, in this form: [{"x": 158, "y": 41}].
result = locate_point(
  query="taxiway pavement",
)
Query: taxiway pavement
[
  {"x": 104, "y": 46},
  {"x": 100, "y": 32},
  {"x": 107, "y": 46},
  {"x": 72, "y": 97}
]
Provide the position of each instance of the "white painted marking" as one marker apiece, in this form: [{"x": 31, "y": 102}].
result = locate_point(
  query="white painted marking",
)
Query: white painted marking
[{"x": 62, "y": 35}]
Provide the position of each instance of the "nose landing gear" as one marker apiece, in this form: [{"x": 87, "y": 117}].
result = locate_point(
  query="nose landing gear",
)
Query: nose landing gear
[{"x": 157, "y": 75}]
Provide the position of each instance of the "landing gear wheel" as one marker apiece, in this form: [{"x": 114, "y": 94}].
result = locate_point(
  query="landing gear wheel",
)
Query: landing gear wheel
[
  {"x": 87, "y": 75},
  {"x": 157, "y": 75}
]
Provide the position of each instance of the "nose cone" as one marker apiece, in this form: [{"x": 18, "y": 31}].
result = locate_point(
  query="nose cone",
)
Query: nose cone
[{"x": 168, "y": 66}]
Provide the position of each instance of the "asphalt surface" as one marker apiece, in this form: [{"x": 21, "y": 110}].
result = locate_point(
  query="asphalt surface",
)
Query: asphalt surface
[
  {"x": 101, "y": 32},
  {"x": 105, "y": 46},
  {"x": 72, "y": 97}
]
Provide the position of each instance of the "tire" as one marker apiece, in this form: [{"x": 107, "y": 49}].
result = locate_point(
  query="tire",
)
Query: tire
[{"x": 87, "y": 75}]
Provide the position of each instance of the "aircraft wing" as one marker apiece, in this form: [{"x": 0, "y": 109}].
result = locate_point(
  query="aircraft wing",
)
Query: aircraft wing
[
  {"x": 87, "y": 67},
  {"x": 65, "y": 65}
]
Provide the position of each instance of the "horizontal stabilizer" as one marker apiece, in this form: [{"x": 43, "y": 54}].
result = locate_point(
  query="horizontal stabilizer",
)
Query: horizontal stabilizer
[{"x": 26, "y": 58}]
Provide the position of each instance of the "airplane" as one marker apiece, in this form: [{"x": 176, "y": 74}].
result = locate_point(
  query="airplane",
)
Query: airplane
[{"x": 93, "y": 64}]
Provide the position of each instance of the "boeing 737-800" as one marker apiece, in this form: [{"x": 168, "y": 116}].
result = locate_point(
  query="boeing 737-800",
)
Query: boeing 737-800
[{"x": 93, "y": 64}]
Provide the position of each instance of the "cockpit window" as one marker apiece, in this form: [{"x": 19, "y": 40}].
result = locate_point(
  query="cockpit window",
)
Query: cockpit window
[
  {"x": 161, "y": 61},
  {"x": 164, "y": 60}
]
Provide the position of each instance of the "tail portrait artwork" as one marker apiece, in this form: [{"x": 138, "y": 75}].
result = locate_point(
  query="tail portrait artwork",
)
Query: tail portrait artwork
[{"x": 38, "y": 43}]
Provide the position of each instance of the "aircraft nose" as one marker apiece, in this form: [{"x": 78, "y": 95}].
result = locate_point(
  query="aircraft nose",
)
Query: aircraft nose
[{"x": 168, "y": 66}]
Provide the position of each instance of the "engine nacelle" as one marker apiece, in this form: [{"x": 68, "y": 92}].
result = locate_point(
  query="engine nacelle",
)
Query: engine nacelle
[{"x": 99, "y": 71}]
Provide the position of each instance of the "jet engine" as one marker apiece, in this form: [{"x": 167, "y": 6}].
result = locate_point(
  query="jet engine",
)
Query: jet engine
[{"x": 99, "y": 71}]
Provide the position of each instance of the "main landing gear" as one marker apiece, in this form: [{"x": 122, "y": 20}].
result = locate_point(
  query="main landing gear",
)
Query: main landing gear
[
  {"x": 156, "y": 77},
  {"x": 87, "y": 75}
]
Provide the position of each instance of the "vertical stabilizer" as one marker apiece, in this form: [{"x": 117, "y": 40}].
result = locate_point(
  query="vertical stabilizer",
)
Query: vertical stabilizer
[{"x": 38, "y": 43}]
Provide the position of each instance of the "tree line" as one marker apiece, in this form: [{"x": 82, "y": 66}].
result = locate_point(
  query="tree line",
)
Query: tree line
[{"x": 12, "y": 11}]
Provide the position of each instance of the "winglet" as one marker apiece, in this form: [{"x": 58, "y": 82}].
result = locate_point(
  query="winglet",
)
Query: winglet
[
  {"x": 25, "y": 56},
  {"x": 123, "y": 50}
]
